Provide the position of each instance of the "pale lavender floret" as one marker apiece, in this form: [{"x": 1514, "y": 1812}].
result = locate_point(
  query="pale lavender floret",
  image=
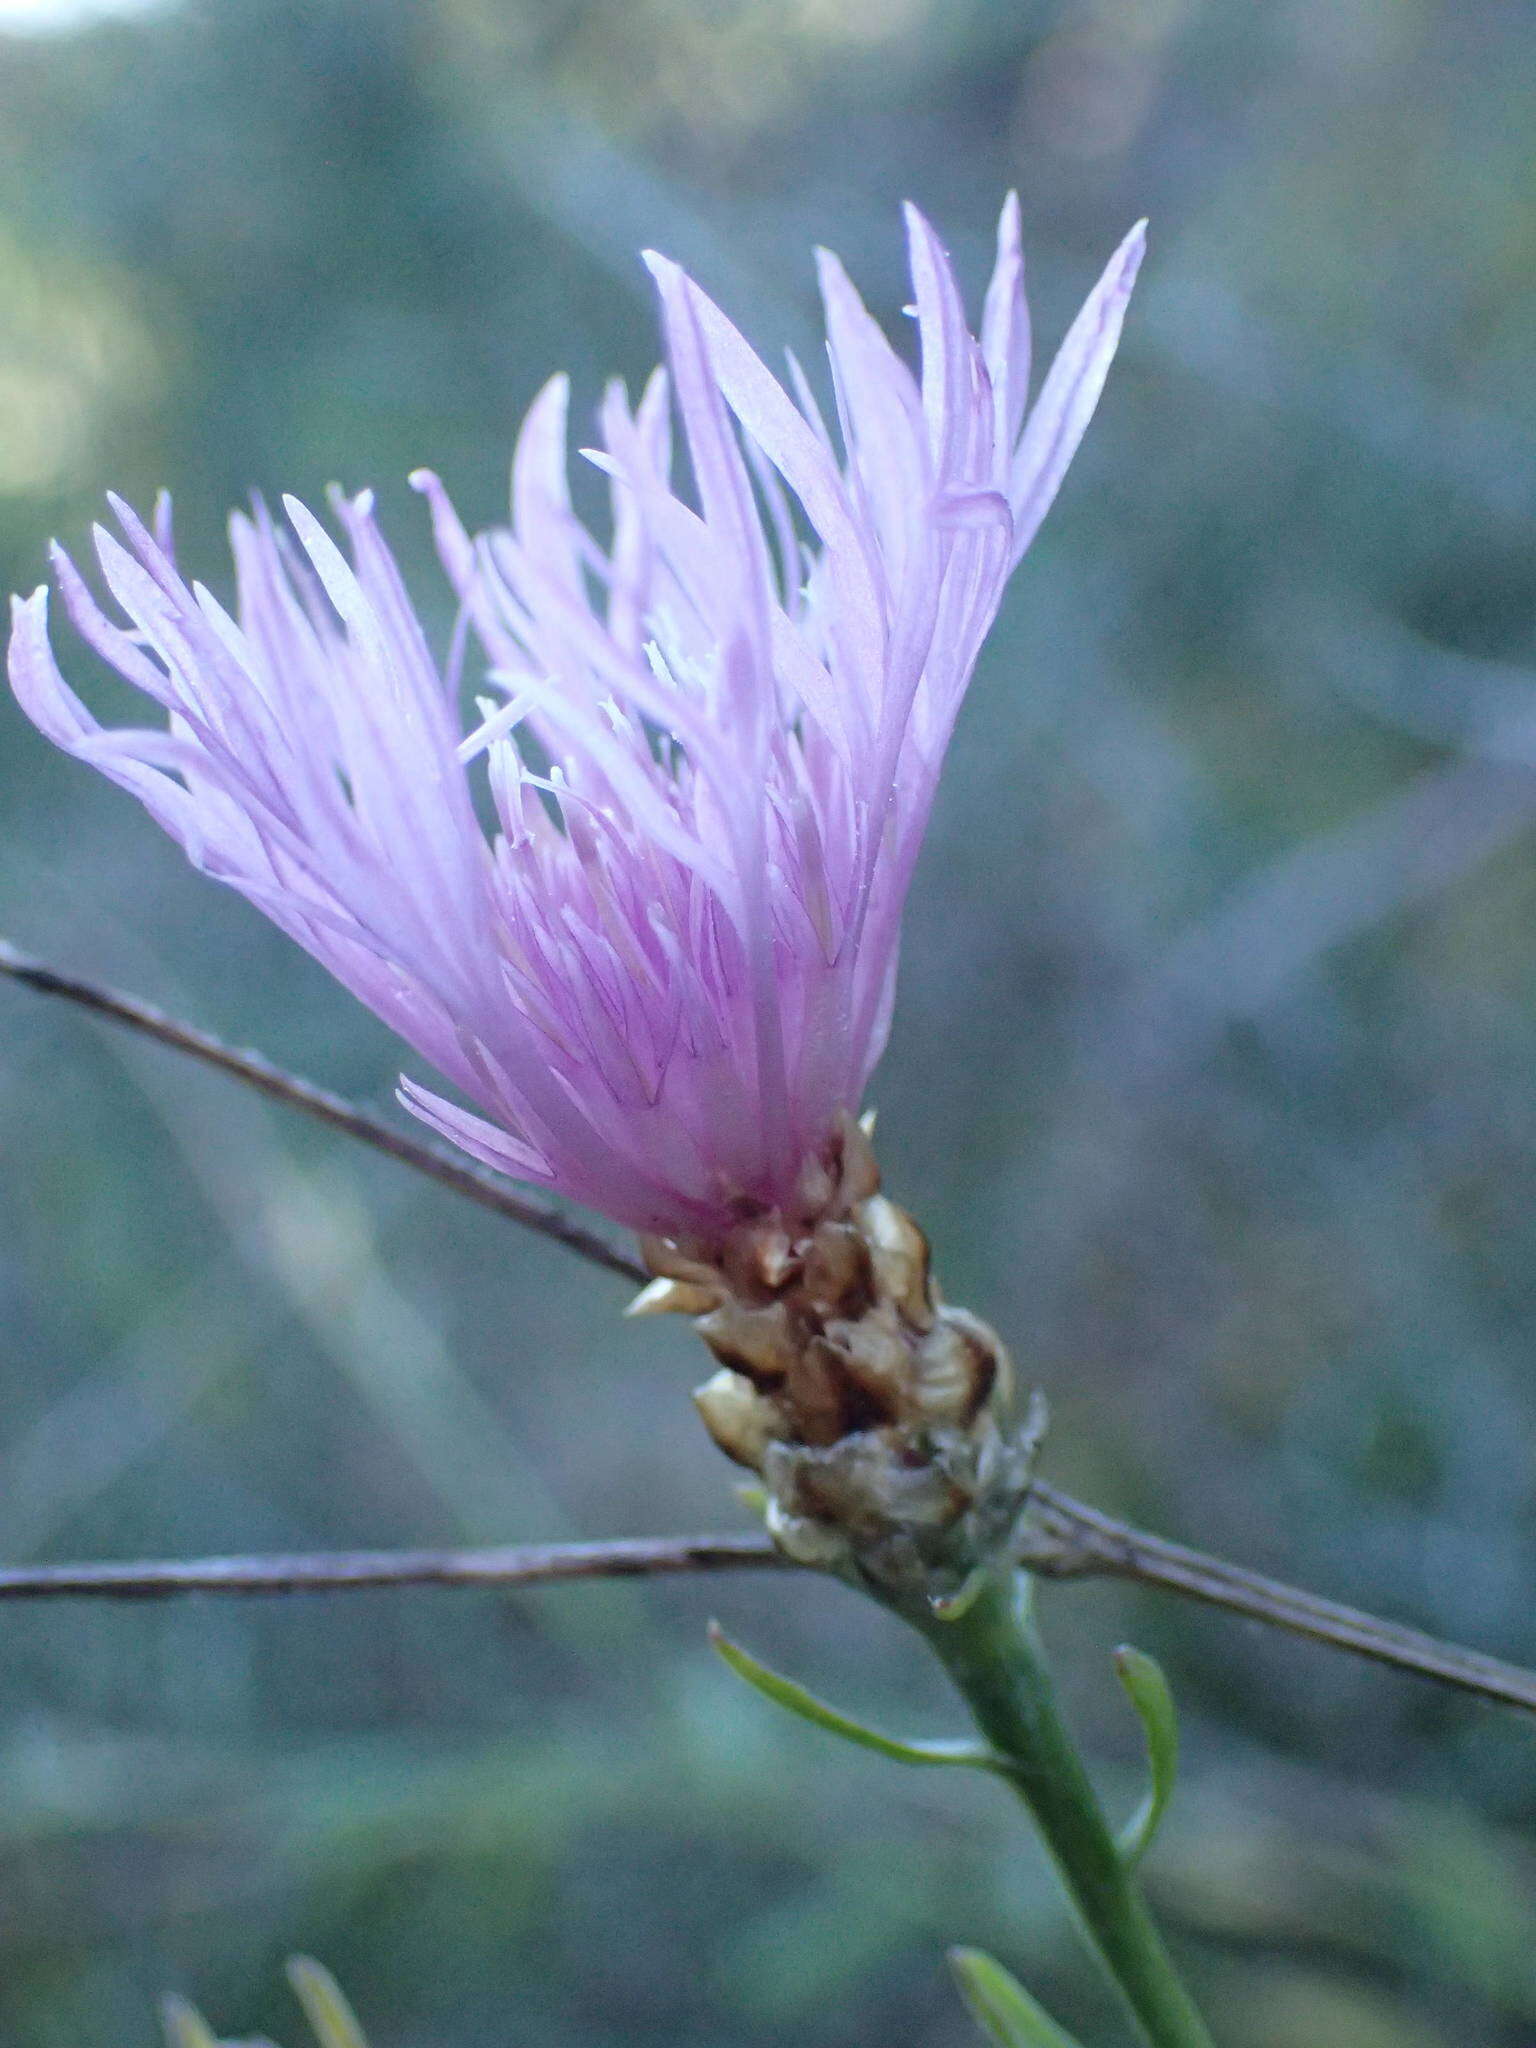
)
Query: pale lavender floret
[{"x": 669, "y": 972}]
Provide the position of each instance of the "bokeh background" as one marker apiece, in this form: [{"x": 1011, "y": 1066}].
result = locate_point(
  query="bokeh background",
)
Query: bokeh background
[{"x": 1214, "y": 1075}]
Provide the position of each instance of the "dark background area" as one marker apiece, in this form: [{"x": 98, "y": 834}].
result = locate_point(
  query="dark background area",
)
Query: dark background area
[{"x": 1214, "y": 1074}]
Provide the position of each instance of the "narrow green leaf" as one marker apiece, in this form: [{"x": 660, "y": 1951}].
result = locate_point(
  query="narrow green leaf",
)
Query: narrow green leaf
[
  {"x": 185, "y": 2026},
  {"x": 785, "y": 1692},
  {"x": 334, "y": 2022},
  {"x": 1000, "y": 2005},
  {"x": 1142, "y": 1677}
]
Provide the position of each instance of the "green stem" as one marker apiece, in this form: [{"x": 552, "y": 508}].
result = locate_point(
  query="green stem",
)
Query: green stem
[{"x": 990, "y": 1650}]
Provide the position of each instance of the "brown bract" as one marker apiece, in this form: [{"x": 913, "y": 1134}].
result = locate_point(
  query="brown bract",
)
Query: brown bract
[{"x": 872, "y": 1407}]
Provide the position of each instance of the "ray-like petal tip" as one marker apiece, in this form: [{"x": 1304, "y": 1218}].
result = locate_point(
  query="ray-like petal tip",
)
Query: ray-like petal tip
[
  {"x": 832, "y": 274},
  {"x": 424, "y": 480},
  {"x": 553, "y": 394},
  {"x": 306, "y": 525},
  {"x": 917, "y": 224},
  {"x": 1010, "y": 233},
  {"x": 921, "y": 230}
]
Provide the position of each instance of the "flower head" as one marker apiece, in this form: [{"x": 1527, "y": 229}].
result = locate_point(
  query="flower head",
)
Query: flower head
[{"x": 709, "y": 744}]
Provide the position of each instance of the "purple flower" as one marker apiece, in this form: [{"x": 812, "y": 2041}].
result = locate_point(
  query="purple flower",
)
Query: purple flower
[{"x": 710, "y": 745}]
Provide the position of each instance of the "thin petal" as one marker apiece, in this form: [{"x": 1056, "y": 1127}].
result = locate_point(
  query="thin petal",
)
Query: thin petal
[
  {"x": 1005, "y": 331},
  {"x": 1061, "y": 413}
]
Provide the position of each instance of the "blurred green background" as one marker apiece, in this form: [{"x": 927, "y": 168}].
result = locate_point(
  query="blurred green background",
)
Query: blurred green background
[{"x": 1214, "y": 1076}]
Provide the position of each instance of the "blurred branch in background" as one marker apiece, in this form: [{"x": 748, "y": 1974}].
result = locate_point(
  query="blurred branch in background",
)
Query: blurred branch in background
[
  {"x": 459, "y": 1175},
  {"x": 1279, "y": 923},
  {"x": 1066, "y": 1538}
]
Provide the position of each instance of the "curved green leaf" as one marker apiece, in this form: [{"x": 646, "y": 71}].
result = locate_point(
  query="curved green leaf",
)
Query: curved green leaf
[
  {"x": 333, "y": 2020},
  {"x": 1142, "y": 1677},
  {"x": 955, "y": 1606},
  {"x": 1000, "y": 2005},
  {"x": 786, "y": 1692}
]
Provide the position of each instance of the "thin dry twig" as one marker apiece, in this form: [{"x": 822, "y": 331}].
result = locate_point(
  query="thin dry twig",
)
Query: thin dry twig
[
  {"x": 250, "y": 1067},
  {"x": 519, "y": 1564},
  {"x": 1067, "y": 1539}
]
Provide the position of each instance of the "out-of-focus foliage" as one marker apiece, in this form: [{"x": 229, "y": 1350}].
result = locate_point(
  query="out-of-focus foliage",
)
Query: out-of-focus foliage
[
  {"x": 1212, "y": 1077},
  {"x": 999, "y": 2004},
  {"x": 331, "y": 2018}
]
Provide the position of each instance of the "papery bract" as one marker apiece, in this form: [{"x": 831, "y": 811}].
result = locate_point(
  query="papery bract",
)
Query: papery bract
[{"x": 711, "y": 745}]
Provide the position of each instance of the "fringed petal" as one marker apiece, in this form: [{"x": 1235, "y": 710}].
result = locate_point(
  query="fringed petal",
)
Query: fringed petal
[
  {"x": 1005, "y": 334},
  {"x": 487, "y": 1142},
  {"x": 1060, "y": 415},
  {"x": 710, "y": 744}
]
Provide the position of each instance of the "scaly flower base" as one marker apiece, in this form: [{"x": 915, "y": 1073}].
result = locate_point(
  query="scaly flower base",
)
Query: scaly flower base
[{"x": 880, "y": 1419}]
